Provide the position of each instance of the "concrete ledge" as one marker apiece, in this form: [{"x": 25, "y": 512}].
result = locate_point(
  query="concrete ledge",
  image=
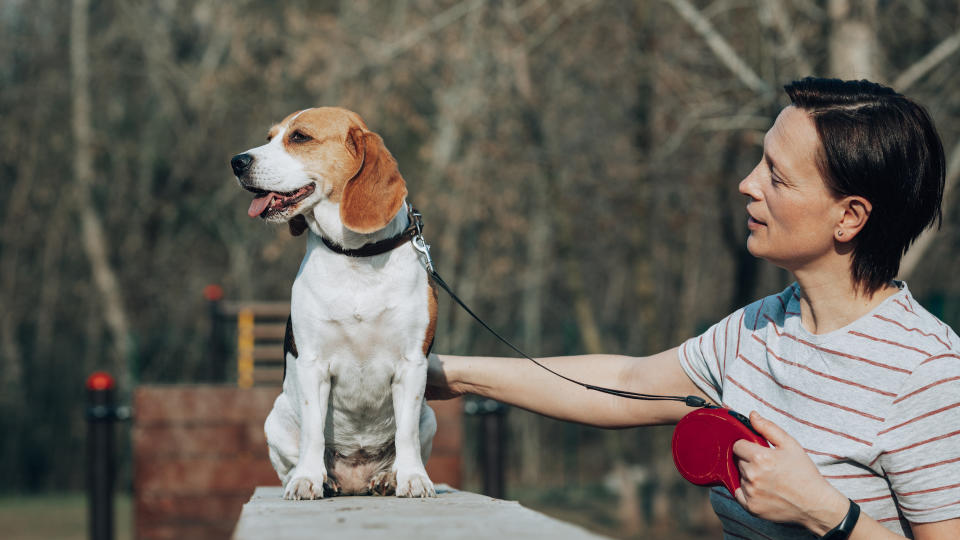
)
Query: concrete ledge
[{"x": 453, "y": 514}]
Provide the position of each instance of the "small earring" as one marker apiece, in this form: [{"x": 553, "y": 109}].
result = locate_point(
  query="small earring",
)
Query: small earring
[{"x": 839, "y": 234}]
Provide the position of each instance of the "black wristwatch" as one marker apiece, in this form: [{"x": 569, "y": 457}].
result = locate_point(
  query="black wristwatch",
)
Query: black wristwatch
[{"x": 843, "y": 530}]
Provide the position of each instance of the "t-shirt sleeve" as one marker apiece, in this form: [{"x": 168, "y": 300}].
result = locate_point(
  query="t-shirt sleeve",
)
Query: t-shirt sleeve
[
  {"x": 703, "y": 357},
  {"x": 920, "y": 441}
]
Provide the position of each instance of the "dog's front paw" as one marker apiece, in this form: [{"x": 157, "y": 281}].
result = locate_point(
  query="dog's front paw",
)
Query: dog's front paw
[
  {"x": 415, "y": 484},
  {"x": 307, "y": 487}
]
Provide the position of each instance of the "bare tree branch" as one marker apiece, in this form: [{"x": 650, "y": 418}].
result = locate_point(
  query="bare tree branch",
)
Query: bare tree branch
[
  {"x": 442, "y": 20},
  {"x": 724, "y": 52},
  {"x": 554, "y": 21},
  {"x": 779, "y": 18},
  {"x": 923, "y": 66},
  {"x": 919, "y": 248}
]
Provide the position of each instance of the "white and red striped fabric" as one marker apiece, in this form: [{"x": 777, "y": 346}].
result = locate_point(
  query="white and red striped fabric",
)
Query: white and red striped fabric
[{"x": 876, "y": 404}]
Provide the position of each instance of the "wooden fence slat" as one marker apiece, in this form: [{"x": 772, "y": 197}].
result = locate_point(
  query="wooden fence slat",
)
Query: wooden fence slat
[
  {"x": 268, "y": 376},
  {"x": 267, "y": 353},
  {"x": 274, "y": 310},
  {"x": 269, "y": 331}
]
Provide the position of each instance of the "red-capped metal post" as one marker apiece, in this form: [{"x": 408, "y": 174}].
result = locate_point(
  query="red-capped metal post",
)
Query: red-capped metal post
[{"x": 101, "y": 415}]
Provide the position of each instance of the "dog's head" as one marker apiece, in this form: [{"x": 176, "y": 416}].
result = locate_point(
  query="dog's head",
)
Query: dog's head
[{"x": 322, "y": 154}]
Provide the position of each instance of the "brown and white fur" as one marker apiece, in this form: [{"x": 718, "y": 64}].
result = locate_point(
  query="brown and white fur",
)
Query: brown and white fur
[{"x": 351, "y": 418}]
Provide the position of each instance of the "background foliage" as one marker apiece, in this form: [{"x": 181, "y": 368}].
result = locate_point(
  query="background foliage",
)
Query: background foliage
[{"x": 576, "y": 162}]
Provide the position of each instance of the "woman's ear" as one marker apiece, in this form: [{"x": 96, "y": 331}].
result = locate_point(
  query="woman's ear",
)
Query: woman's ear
[
  {"x": 375, "y": 194},
  {"x": 856, "y": 211}
]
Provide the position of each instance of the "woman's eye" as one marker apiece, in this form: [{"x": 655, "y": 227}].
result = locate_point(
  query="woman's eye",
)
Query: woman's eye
[
  {"x": 299, "y": 137},
  {"x": 776, "y": 180}
]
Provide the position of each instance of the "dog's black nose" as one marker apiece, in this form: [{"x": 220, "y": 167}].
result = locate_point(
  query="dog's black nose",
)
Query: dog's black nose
[{"x": 241, "y": 163}]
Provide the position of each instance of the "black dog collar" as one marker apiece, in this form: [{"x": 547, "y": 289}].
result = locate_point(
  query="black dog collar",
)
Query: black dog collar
[{"x": 383, "y": 246}]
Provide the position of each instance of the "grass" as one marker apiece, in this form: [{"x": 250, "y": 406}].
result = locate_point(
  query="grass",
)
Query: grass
[{"x": 61, "y": 517}]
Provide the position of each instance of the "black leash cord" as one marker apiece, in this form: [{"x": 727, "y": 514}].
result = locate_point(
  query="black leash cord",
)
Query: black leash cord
[{"x": 692, "y": 401}]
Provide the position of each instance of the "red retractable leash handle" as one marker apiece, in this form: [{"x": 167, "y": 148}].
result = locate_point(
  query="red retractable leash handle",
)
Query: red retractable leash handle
[
  {"x": 703, "y": 446},
  {"x": 703, "y": 439}
]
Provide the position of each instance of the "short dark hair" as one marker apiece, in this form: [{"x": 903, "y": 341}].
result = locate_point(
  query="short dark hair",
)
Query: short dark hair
[{"x": 882, "y": 146}]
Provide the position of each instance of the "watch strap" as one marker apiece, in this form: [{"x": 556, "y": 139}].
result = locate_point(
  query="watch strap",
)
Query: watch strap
[{"x": 843, "y": 530}]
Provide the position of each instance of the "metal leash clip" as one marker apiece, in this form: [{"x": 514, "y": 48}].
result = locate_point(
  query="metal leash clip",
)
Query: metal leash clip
[{"x": 419, "y": 243}]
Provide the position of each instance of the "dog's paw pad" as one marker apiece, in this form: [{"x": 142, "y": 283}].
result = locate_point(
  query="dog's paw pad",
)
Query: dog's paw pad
[
  {"x": 304, "y": 488},
  {"x": 415, "y": 485},
  {"x": 384, "y": 483}
]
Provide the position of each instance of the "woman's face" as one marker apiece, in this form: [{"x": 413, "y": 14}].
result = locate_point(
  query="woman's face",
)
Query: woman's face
[{"x": 793, "y": 215}]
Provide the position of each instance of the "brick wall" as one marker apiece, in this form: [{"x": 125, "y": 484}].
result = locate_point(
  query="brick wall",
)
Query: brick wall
[{"x": 199, "y": 451}]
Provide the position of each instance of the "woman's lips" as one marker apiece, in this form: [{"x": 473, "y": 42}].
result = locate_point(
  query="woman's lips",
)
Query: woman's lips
[{"x": 754, "y": 224}]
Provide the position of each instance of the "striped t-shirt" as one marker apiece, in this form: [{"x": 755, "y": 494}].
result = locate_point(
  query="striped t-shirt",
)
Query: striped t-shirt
[{"x": 875, "y": 404}]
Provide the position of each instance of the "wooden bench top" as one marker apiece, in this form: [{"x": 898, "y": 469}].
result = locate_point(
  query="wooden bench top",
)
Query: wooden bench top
[{"x": 452, "y": 515}]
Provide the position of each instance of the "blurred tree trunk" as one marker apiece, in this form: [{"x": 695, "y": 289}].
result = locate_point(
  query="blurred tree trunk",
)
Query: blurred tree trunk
[
  {"x": 854, "y": 50},
  {"x": 12, "y": 361},
  {"x": 530, "y": 427},
  {"x": 690, "y": 295},
  {"x": 94, "y": 240},
  {"x": 534, "y": 284},
  {"x": 468, "y": 279},
  {"x": 11, "y": 355}
]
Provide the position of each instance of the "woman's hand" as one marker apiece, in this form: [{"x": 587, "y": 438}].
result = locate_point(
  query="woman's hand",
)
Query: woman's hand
[
  {"x": 438, "y": 383},
  {"x": 782, "y": 484}
]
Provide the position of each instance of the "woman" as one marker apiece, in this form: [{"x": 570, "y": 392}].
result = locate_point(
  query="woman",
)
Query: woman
[{"x": 852, "y": 382}]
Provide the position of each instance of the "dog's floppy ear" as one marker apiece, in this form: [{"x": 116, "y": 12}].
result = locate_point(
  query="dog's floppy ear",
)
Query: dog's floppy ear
[
  {"x": 374, "y": 195},
  {"x": 297, "y": 224}
]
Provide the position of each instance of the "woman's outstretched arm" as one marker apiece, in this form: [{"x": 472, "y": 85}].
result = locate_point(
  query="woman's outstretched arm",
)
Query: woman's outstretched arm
[{"x": 520, "y": 382}]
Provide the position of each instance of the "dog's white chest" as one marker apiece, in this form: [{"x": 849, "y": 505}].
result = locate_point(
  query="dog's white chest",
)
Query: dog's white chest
[{"x": 360, "y": 316}]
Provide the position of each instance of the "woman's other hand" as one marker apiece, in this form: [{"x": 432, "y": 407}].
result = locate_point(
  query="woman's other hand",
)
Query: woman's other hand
[
  {"x": 782, "y": 484},
  {"x": 438, "y": 382}
]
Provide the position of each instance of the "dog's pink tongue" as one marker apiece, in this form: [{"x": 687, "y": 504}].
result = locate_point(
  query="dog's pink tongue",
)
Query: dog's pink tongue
[{"x": 259, "y": 204}]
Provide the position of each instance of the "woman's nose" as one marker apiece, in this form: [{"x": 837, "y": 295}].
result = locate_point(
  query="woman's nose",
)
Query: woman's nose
[{"x": 748, "y": 186}]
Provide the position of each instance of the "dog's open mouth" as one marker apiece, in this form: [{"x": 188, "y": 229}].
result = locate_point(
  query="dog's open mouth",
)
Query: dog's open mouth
[{"x": 268, "y": 203}]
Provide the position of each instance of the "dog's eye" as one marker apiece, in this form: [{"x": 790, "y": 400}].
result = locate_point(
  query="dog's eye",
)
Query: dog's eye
[{"x": 300, "y": 137}]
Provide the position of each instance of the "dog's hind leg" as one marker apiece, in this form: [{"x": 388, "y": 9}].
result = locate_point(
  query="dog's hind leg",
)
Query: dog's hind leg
[{"x": 283, "y": 437}]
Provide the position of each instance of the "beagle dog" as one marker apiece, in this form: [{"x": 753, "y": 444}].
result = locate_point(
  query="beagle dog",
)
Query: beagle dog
[{"x": 351, "y": 418}]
